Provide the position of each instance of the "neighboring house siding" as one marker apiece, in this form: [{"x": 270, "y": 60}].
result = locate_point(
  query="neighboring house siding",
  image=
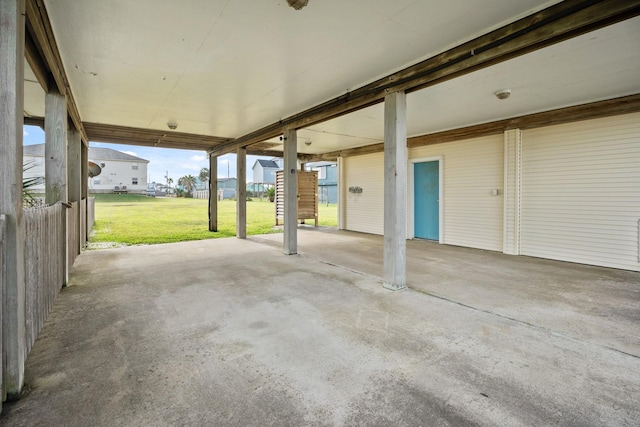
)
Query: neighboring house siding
[
  {"x": 120, "y": 173},
  {"x": 472, "y": 215},
  {"x": 35, "y": 167},
  {"x": 581, "y": 192},
  {"x": 364, "y": 211}
]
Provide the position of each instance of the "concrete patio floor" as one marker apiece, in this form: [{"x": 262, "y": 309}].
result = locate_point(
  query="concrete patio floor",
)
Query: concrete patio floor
[{"x": 232, "y": 332}]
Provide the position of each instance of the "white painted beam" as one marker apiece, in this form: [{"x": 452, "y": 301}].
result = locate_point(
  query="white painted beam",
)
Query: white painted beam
[
  {"x": 290, "y": 246},
  {"x": 213, "y": 193},
  {"x": 395, "y": 199},
  {"x": 241, "y": 193},
  {"x": 12, "y": 33}
]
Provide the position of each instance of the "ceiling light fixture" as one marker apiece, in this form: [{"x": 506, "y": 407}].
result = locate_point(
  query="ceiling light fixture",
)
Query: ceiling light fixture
[
  {"x": 307, "y": 141},
  {"x": 297, "y": 4},
  {"x": 503, "y": 93},
  {"x": 172, "y": 125}
]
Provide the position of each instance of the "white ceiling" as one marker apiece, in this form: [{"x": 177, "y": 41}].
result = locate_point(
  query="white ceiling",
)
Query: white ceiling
[
  {"x": 226, "y": 68},
  {"x": 599, "y": 65}
]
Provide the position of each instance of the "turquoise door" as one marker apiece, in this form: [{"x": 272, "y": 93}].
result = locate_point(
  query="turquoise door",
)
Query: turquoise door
[{"x": 426, "y": 197}]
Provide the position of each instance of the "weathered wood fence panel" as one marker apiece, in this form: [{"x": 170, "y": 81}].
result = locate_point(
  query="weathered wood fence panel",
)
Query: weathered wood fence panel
[
  {"x": 91, "y": 213},
  {"x": 44, "y": 265}
]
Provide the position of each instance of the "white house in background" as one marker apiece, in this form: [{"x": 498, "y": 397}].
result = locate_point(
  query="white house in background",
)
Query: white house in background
[
  {"x": 264, "y": 171},
  {"x": 118, "y": 169}
]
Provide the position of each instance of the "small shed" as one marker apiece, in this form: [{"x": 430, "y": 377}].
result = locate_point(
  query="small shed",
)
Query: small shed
[
  {"x": 307, "y": 196},
  {"x": 264, "y": 171}
]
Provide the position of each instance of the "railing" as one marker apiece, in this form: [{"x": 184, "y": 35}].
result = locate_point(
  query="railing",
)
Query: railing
[
  {"x": 44, "y": 259},
  {"x": 52, "y": 239}
]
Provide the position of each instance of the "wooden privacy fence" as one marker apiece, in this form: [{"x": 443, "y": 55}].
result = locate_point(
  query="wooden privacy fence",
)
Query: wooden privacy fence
[
  {"x": 307, "y": 196},
  {"x": 44, "y": 260}
]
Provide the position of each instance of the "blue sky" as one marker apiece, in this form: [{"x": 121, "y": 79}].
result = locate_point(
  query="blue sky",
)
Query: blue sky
[{"x": 177, "y": 163}]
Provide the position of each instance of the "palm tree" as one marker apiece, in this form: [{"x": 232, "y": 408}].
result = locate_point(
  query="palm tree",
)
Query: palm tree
[
  {"x": 28, "y": 198},
  {"x": 188, "y": 182},
  {"x": 169, "y": 182}
]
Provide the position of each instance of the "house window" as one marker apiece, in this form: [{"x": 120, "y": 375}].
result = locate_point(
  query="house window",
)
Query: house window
[
  {"x": 96, "y": 181},
  {"x": 134, "y": 181},
  {"x": 134, "y": 166}
]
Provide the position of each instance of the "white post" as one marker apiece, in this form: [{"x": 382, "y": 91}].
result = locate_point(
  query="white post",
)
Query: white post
[
  {"x": 241, "y": 193},
  {"x": 395, "y": 182},
  {"x": 12, "y": 313},
  {"x": 290, "y": 167},
  {"x": 342, "y": 199}
]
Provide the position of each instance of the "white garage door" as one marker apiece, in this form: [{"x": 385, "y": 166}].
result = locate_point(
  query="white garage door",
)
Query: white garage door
[{"x": 581, "y": 192}]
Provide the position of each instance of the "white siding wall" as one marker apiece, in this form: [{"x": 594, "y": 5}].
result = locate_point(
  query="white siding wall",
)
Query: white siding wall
[
  {"x": 119, "y": 173},
  {"x": 365, "y": 211},
  {"x": 581, "y": 192},
  {"x": 472, "y": 169}
]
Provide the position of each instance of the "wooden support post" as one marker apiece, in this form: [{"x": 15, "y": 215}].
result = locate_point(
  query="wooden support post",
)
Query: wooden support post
[
  {"x": 290, "y": 192},
  {"x": 395, "y": 182},
  {"x": 84, "y": 188},
  {"x": 55, "y": 148},
  {"x": 55, "y": 161},
  {"x": 12, "y": 33},
  {"x": 74, "y": 173},
  {"x": 241, "y": 193},
  {"x": 84, "y": 170},
  {"x": 213, "y": 193}
]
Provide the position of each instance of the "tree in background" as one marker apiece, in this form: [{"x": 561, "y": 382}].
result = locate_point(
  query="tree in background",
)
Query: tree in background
[
  {"x": 29, "y": 199},
  {"x": 188, "y": 183},
  {"x": 204, "y": 175}
]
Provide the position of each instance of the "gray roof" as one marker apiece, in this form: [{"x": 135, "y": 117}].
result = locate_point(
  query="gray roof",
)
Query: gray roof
[
  {"x": 268, "y": 164},
  {"x": 95, "y": 153},
  {"x": 33, "y": 150}
]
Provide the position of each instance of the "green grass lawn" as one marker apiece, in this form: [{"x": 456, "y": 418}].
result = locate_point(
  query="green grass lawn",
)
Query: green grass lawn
[{"x": 135, "y": 219}]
